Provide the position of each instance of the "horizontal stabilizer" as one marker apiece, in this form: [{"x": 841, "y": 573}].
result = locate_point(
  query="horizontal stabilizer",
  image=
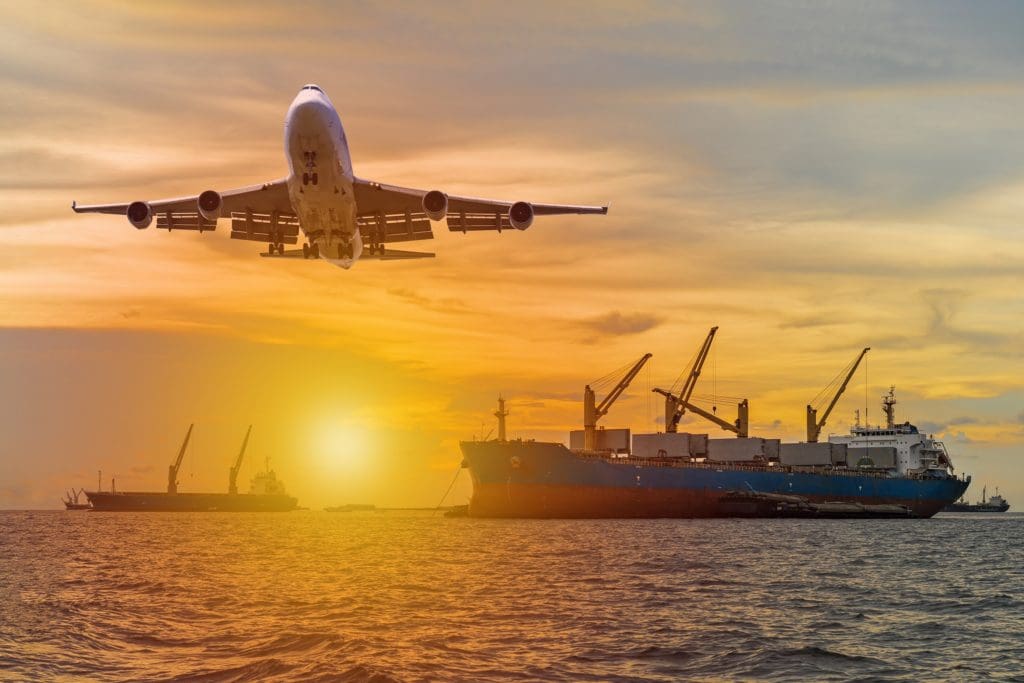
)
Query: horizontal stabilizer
[
  {"x": 387, "y": 255},
  {"x": 396, "y": 255}
]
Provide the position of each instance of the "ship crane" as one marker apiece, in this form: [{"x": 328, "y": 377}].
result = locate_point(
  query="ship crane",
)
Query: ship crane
[
  {"x": 172, "y": 470},
  {"x": 814, "y": 424},
  {"x": 233, "y": 474},
  {"x": 592, "y": 411},
  {"x": 677, "y": 405}
]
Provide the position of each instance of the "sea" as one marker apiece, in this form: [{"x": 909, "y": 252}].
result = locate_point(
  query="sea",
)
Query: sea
[{"x": 415, "y": 596}]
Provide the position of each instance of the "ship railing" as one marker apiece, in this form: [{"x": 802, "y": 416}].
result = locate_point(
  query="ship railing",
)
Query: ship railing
[{"x": 737, "y": 466}]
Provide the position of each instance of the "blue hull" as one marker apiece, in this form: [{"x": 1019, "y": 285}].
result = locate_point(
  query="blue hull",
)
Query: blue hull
[{"x": 536, "y": 479}]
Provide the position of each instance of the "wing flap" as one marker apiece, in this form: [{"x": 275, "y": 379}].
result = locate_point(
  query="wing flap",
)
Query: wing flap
[
  {"x": 181, "y": 220},
  {"x": 263, "y": 227},
  {"x": 381, "y": 228},
  {"x": 465, "y": 221}
]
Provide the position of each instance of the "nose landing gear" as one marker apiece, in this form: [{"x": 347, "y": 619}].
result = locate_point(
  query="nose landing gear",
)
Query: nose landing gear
[{"x": 310, "y": 176}]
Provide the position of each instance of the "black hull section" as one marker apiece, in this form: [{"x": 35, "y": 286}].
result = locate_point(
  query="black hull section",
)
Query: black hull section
[
  {"x": 133, "y": 501},
  {"x": 973, "y": 507}
]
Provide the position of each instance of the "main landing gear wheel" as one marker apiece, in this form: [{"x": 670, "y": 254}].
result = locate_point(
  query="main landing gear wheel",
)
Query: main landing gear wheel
[
  {"x": 315, "y": 250},
  {"x": 305, "y": 179},
  {"x": 305, "y": 250},
  {"x": 315, "y": 178}
]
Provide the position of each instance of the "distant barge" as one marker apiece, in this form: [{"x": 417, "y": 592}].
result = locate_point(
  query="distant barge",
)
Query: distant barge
[
  {"x": 995, "y": 503},
  {"x": 266, "y": 494}
]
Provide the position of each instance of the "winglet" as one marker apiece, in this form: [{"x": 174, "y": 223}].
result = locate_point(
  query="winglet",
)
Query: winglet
[
  {"x": 606, "y": 207},
  {"x": 73, "y": 208}
]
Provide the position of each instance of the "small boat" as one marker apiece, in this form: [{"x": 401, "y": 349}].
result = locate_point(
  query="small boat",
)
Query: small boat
[
  {"x": 994, "y": 503},
  {"x": 71, "y": 500}
]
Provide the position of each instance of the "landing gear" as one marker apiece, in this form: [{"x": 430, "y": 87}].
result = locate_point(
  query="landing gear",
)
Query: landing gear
[
  {"x": 305, "y": 250},
  {"x": 270, "y": 248},
  {"x": 280, "y": 249},
  {"x": 315, "y": 250},
  {"x": 310, "y": 176}
]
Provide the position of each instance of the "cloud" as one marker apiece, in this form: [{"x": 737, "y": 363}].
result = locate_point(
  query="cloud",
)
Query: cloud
[{"x": 616, "y": 323}]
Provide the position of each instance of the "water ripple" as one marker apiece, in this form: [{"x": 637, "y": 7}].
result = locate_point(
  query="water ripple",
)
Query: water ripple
[{"x": 389, "y": 597}]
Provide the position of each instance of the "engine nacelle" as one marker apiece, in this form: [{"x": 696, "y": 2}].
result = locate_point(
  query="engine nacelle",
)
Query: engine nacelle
[
  {"x": 210, "y": 205},
  {"x": 520, "y": 215},
  {"x": 140, "y": 215},
  {"x": 435, "y": 205}
]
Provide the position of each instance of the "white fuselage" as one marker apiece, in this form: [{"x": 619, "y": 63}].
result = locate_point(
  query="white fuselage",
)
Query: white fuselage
[{"x": 320, "y": 177}]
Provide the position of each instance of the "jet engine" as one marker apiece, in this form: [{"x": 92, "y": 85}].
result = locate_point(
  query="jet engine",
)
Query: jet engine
[
  {"x": 520, "y": 215},
  {"x": 210, "y": 205},
  {"x": 140, "y": 215},
  {"x": 435, "y": 205}
]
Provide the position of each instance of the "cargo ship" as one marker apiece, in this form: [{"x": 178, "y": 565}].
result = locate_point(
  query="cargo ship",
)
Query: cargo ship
[
  {"x": 616, "y": 474},
  {"x": 72, "y": 500},
  {"x": 994, "y": 503},
  {"x": 266, "y": 493}
]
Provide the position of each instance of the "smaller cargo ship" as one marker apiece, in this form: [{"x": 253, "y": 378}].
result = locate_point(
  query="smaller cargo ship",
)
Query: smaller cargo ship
[
  {"x": 266, "y": 493},
  {"x": 72, "y": 500},
  {"x": 994, "y": 503}
]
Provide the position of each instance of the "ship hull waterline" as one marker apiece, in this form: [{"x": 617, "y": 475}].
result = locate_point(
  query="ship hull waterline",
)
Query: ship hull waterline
[
  {"x": 140, "y": 501},
  {"x": 547, "y": 480}
]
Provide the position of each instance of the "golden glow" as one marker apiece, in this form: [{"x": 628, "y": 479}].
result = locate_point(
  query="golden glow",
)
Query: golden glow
[
  {"x": 807, "y": 216},
  {"x": 342, "y": 446}
]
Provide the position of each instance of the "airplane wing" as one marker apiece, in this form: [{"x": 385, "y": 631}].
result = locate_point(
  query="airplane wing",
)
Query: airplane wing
[
  {"x": 261, "y": 213},
  {"x": 383, "y": 206}
]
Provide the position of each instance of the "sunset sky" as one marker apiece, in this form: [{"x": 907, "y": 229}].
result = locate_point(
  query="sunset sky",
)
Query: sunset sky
[{"x": 812, "y": 178}]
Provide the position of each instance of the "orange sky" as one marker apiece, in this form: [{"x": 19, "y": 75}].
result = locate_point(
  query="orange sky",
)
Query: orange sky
[{"x": 810, "y": 181}]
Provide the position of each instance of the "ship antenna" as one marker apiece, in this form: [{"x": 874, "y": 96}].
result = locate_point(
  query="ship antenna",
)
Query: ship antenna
[{"x": 867, "y": 420}]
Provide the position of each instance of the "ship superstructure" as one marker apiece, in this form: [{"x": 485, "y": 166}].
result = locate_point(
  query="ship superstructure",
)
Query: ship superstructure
[{"x": 901, "y": 448}]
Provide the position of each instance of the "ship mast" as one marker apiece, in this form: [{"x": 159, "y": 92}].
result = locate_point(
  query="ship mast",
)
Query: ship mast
[
  {"x": 172, "y": 470},
  {"x": 233, "y": 474},
  {"x": 814, "y": 424},
  {"x": 501, "y": 414},
  {"x": 592, "y": 412},
  {"x": 888, "y": 403}
]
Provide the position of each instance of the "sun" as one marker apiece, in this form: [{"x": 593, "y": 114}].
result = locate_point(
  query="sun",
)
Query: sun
[{"x": 341, "y": 446}]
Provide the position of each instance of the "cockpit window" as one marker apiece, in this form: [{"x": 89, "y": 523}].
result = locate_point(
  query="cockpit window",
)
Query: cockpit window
[{"x": 312, "y": 87}]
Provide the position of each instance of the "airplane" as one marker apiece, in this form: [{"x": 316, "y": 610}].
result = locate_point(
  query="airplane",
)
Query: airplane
[{"x": 338, "y": 212}]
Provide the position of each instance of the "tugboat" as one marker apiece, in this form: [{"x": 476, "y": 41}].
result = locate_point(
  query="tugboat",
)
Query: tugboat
[
  {"x": 71, "y": 500},
  {"x": 994, "y": 504}
]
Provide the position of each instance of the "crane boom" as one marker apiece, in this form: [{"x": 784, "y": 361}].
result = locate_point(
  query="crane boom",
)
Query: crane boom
[
  {"x": 172, "y": 470},
  {"x": 592, "y": 413},
  {"x": 741, "y": 427},
  {"x": 814, "y": 425},
  {"x": 233, "y": 475},
  {"x": 675, "y": 406}
]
